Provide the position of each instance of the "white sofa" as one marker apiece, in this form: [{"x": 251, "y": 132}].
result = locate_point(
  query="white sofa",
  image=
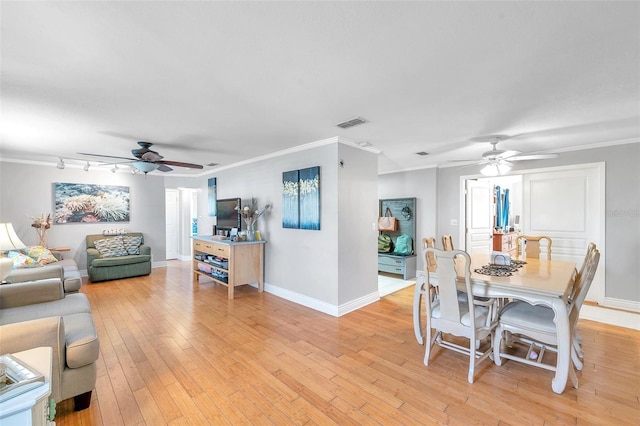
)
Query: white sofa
[{"x": 40, "y": 313}]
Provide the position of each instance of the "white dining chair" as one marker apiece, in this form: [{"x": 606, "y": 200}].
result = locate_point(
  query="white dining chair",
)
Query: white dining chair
[
  {"x": 421, "y": 290},
  {"x": 532, "y": 325},
  {"x": 534, "y": 248},
  {"x": 448, "y": 314},
  {"x": 577, "y": 353},
  {"x": 447, "y": 242}
]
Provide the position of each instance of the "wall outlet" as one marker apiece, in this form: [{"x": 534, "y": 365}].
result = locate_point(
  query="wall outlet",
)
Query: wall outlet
[{"x": 454, "y": 222}]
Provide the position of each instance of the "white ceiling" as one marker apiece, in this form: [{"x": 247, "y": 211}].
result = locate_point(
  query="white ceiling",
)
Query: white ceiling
[{"x": 226, "y": 81}]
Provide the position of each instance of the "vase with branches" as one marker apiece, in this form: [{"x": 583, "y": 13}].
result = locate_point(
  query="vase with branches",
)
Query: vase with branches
[
  {"x": 41, "y": 224},
  {"x": 250, "y": 214}
]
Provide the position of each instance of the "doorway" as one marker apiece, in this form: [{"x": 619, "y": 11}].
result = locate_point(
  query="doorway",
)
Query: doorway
[{"x": 566, "y": 203}]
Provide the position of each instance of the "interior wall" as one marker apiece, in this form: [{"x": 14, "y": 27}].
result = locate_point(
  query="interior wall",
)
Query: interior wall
[
  {"x": 421, "y": 184},
  {"x": 622, "y": 215},
  {"x": 302, "y": 265},
  {"x": 357, "y": 224},
  {"x": 26, "y": 190}
]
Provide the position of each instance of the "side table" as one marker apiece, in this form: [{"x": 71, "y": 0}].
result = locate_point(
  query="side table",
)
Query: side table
[
  {"x": 31, "y": 407},
  {"x": 59, "y": 250}
]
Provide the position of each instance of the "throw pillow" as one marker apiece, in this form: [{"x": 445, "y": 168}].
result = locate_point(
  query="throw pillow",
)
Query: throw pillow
[
  {"x": 110, "y": 247},
  {"x": 132, "y": 243},
  {"x": 40, "y": 254},
  {"x": 21, "y": 260}
]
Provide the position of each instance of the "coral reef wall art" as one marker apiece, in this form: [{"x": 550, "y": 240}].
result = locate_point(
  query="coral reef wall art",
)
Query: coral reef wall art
[{"x": 86, "y": 203}]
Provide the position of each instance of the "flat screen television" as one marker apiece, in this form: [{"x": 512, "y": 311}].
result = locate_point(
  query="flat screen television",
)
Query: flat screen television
[{"x": 227, "y": 216}]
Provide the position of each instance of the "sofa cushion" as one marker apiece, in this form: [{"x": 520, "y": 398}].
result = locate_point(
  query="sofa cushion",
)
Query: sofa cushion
[
  {"x": 111, "y": 247},
  {"x": 81, "y": 340},
  {"x": 72, "y": 281},
  {"x": 40, "y": 254},
  {"x": 122, "y": 260},
  {"x": 21, "y": 260},
  {"x": 25, "y": 293},
  {"x": 70, "y": 304},
  {"x": 68, "y": 265},
  {"x": 132, "y": 243}
]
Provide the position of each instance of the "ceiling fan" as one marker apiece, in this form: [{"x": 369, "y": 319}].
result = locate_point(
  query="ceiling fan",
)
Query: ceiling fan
[
  {"x": 498, "y": 162},
  {"x": 148, "y": 160}
]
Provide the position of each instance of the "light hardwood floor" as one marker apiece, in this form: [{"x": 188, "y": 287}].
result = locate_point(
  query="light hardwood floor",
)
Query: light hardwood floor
[{"x": 173, "y": 351}]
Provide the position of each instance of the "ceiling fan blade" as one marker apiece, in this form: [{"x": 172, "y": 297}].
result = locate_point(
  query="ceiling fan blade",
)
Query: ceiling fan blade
[
  {"x": 151, "y": 156},
  {"x": 179, "y": 164},
  {"x": 507, "y": 154},
  {"x": 164, "y": 168},
  {"x": 106, "y": 156},
  {"x": 532, "y": 157}
]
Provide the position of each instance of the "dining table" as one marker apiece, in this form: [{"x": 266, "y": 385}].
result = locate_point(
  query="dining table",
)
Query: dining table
[
  {"x": 538, "y": 282},
  {"x": 535, "y": 281}
]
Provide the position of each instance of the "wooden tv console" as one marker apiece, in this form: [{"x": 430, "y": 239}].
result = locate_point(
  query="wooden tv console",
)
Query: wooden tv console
[{"x": 229, "y": 263}]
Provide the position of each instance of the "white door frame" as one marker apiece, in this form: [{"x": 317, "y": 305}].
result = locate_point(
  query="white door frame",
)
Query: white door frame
[{"x": 599, "y": 291}]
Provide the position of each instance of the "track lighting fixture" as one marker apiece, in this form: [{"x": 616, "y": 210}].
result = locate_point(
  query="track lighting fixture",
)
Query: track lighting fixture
[
  {"x": 60, "y": 164},
  {"x": 86, "y": 167},
  {"x": 115, "y": 168}
]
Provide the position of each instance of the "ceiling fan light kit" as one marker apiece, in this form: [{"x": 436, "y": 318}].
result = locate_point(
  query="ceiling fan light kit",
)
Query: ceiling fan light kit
[
  {"x": 496, "y": 168},
  {"x": 144, "y": 166}
]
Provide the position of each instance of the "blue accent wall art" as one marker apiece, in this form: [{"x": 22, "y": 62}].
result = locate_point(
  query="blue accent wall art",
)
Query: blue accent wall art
[
  {"x": 310, "y": 198},
  {"x": 290, "y": 206},
  {"x": 301, "y": 199},
  {"x": 212, "y": 192}
]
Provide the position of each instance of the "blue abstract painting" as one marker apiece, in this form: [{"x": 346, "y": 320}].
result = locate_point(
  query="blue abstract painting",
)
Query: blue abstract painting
[
  {"x": 309, "y": 188},
  {"x": 212, "y": 196},
  {"x": 290, "y": 206}
]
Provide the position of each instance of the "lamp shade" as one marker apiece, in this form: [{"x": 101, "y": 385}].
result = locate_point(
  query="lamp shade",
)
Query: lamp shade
[
  {"x": 496, "y": 168},
  {"x": 145, "y": 166},
  {"x": 9, "y": 239}
]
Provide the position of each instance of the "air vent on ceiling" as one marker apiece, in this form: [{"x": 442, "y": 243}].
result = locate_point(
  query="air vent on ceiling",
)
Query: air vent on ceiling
[
  {"x": 422, "y": 153},
  {"x": 352, "y": 122}
]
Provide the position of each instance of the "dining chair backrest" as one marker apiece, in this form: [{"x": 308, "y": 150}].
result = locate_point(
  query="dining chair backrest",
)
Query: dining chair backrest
[
  {"x": 430, "y": 258},
  {"x": 447, "y": 242},
  {"x": 534, "y": 249},
  {"x": 590, "y": 248},
  {"x": 451, "y": 314},
  {"x": 453, "y": 265},
  {"x": 584, "y": 280}
]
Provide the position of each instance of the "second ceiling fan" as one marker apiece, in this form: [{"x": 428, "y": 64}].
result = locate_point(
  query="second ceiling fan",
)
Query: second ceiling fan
[{"x": 498, "y": 161}]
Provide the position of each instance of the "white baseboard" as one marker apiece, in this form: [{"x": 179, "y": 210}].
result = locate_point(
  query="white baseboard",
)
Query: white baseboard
[
  {"x": 627, "y": 305},
  {"x": 611, "y": 316},
  {"x": 392, "y": 288},
  {"x": 319, "y": 305}
]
